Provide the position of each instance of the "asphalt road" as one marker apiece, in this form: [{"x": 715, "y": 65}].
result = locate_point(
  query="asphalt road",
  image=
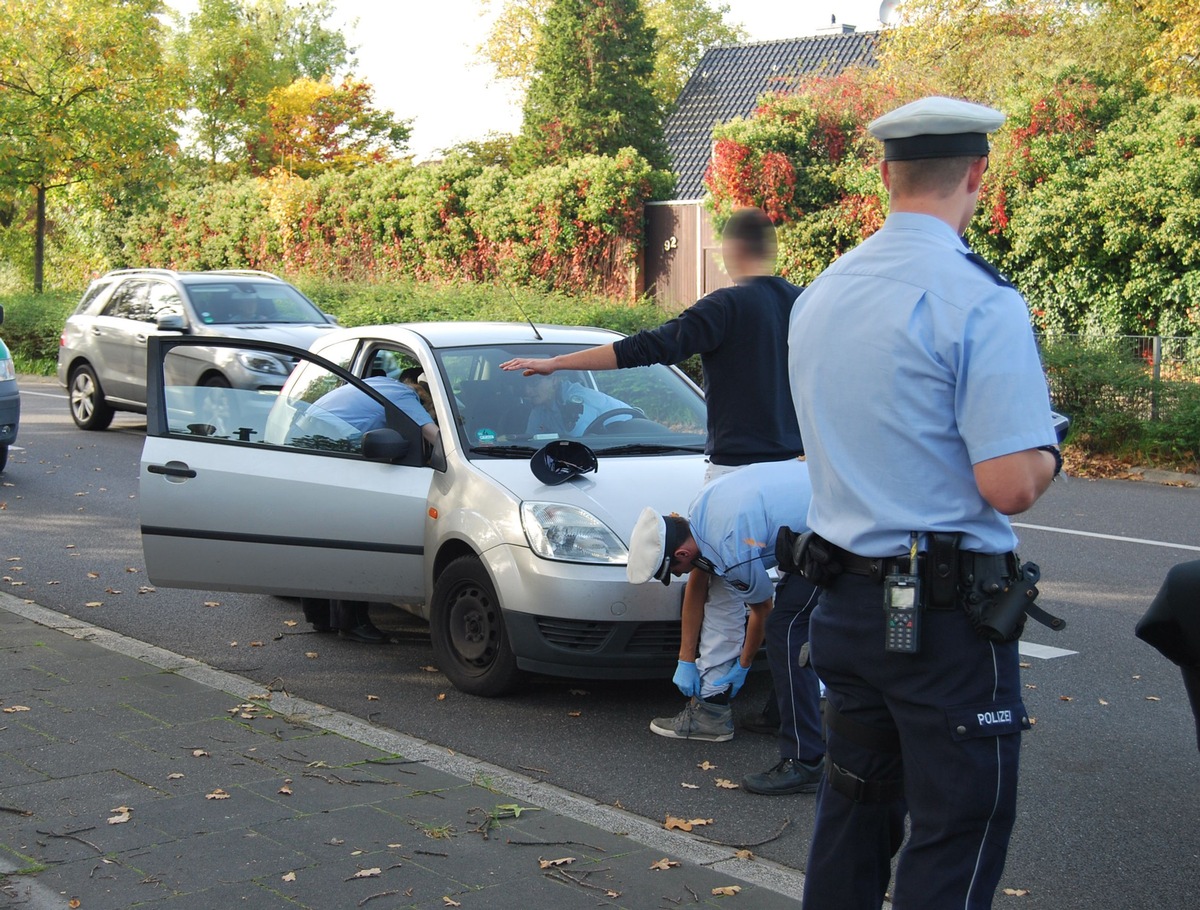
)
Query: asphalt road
[{"x": 1110, "y": 787}]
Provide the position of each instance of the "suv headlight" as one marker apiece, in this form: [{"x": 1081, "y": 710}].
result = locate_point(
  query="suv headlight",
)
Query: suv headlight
[
  {"x": 257, "y": 362},
  {"x": 7, "y": 371},
  {"x": 557, "y": 531}
]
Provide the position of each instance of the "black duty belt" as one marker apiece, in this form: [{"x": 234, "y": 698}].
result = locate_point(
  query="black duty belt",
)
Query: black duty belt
[{"x": 970, "y": 565}]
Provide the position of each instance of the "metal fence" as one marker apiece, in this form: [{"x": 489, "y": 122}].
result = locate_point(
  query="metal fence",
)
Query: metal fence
[{"x": 1144, "y": 376}]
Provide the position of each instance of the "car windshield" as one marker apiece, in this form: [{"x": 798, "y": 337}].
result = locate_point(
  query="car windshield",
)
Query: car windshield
[
  {"x": 643, "y": 411},
  {"x": 241, "y": 301}
]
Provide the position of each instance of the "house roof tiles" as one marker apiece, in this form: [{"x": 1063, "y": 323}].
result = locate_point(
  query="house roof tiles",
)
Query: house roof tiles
[{"x": 728, "y": 82}]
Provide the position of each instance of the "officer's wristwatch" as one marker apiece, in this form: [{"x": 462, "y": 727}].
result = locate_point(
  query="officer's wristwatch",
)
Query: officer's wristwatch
[{"x": 1058, "y": 462}]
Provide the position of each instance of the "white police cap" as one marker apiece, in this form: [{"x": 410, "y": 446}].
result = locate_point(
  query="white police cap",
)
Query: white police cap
[
  {"x": 651, "y": 545},
  {"x": 935, "y": 127}
]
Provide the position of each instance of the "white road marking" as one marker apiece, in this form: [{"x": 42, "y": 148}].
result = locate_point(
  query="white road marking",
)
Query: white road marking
[
  {"x": 1149, "y": 543},
  {"x": 1045, "y": 652}
]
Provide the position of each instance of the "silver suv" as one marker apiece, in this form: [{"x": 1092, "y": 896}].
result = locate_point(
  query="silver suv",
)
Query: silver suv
[{"x": 102, "y": 350}]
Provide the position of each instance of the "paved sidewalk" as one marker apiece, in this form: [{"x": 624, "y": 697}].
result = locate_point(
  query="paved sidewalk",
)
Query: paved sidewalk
[{"x": 131, "y": 776}]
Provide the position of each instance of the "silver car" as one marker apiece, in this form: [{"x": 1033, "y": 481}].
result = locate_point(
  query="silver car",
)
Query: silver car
[
  {"x": 102, "y": 350},
  {"x": 284, "y": 493}
]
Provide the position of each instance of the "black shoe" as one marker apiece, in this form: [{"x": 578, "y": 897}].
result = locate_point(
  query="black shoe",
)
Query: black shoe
[
  {"x": 760, "y": 723},
  {"x": 365, "y": 633},
  {"x": 789, "y": 776}
]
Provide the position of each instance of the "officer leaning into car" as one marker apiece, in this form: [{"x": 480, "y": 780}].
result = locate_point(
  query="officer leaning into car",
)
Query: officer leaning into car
[
  {"x": 730, "y": 533},
  {"x": 931, "y": 426}
]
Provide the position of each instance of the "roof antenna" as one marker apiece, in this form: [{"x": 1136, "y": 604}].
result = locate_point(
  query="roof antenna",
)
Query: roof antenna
[{"x": 521, "y": 310}]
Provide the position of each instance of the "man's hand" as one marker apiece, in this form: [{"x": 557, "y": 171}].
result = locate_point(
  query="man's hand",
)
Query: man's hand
[
  {"x": 734, "y": 678},
  {"x": 687, "y": 678},
  {"x": 530, "y": 366}
]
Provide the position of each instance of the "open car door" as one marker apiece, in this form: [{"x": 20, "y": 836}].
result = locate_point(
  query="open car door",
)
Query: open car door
[{"x": 281, "y": 492}]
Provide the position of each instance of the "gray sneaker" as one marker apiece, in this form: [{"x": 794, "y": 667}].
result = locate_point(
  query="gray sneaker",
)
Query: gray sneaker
[
  {"x": 789, "y": 776},
  {"x": 699, "y": 719}
]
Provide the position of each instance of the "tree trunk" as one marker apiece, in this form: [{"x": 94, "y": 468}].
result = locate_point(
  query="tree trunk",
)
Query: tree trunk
[{"x": 39, "y": 240}]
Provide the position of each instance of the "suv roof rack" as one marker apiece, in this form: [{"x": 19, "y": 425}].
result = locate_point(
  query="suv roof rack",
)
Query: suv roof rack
[{"x": 246, "y": 273}]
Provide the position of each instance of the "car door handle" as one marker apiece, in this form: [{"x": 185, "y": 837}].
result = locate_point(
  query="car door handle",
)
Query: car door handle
[
  {"x": 171, "y": 469},
  {"x": 141, "y": 338}
]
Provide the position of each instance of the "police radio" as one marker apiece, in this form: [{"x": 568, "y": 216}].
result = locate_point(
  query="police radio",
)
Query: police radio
[{"x": 902, "y": 608}]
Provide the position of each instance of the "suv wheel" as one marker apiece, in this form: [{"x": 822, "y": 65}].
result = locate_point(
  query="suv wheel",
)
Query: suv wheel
[
  {"x": 467, "y": 629},
  {"x": 3, "y": 455},
  {"x": 88, "y": 408}
]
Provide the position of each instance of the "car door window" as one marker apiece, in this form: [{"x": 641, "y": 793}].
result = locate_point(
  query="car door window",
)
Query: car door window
[
  {"x": 129, "y": 301},
  {"x": 162, "y": 299}
]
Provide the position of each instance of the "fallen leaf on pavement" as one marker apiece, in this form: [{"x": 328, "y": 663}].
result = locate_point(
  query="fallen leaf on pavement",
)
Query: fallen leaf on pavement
[
  {"x": 663, "y": 865},
  {"x": 290, "y": 877},
  {"x": 441, "y": 696},
  {"x": 310, "y": 654},
  {"x": 217, "y": 794},
  {"x": 690, "y": 786},
  {"x": 368, "y": 873},
  {"x": 429, "y": 669},
  {"x": 725, "y": 784},
  {"x": 706, "y": 765},
  {"x": 1065, "y": 698},
  {"x": 285, "y": 790},
  {"x": 14, "y": 709},
  {"x": 175, "y": 775},
  {"x": 372, "y": 698},
  {"x": 727, "y": 891},
  {"x": 94, "y": 603},
  {"x": 680, "y": 824},
  {"x": 450, "y": 902},
  {"x": 1153, "y": 698},
  {"x": 212, "y": 603},
  {"x": 1103, "y": 702},
  {"x": 743, "y": 854},
  {"x": 1016, "y": 892},
  {"x": 550, "y": 863},
  {"x": 121, "y": 816},
  {"x": 290, "y": 622},
  {"x": 198, "y": 753},
  {"x": 574, "y": 714}
]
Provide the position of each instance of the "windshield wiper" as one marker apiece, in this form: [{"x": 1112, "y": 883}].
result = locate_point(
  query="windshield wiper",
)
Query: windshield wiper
[
  {"x": 649, "y": 448},
  {"x": 504, "y": 451}
]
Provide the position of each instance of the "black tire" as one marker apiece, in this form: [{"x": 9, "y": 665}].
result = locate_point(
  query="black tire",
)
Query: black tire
[
  {"x": 89, "y": 410},
  {"x": 467, "y": 627},
  {"x": 3, "y": 456}
]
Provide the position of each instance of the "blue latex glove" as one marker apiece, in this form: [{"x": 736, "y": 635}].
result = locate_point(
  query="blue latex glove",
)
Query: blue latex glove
[
  {"x": 734, "y": 678},
  {"x": 687, "y": 678}
]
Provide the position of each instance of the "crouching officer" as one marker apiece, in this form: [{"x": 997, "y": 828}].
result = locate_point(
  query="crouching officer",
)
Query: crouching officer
[
  {"x": 730, "y": 533},
  {"x": 938, "y": 423}
]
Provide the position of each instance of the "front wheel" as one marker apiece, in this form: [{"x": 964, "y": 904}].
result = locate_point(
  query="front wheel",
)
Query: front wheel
[
  {"x": 467, "y": 627},
  {"x": 89, "y": 410},
  {"x": 3, "y": 455}
]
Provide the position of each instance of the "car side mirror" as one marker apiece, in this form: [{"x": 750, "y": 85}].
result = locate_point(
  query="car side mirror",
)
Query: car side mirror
[
  {"x": 384, "y": 444},
  {"x": 170, "y": 322}
]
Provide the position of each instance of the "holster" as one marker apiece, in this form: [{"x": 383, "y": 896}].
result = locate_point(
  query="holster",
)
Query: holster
[
  {"x": 808, "y": 554},
  {"x": 998, "y": 608}
]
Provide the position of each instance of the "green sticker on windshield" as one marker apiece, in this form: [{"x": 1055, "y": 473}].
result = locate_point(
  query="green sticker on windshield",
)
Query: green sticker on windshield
[{"x": 483, "y": 434}]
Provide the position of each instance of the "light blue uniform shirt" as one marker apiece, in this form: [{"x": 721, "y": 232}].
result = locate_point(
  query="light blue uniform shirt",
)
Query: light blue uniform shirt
[
  {"x": 737, "y": 517},
  {"x": 908, "y": 365}
]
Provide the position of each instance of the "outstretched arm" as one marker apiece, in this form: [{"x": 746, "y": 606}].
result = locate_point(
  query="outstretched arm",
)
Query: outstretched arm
[{"x": 602, "y": 357}]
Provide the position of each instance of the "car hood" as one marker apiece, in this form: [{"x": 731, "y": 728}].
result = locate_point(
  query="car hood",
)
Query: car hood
[
  {"x": 300, "y": 335},
  {"x": 615, "y": 493}
]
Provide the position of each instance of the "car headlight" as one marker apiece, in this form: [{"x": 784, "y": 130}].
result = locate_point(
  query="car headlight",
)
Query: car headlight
[
  {"x": 557, "y": 531},
  {"x": 257, "y": 362},
  {"x": 7, "y": 371}
]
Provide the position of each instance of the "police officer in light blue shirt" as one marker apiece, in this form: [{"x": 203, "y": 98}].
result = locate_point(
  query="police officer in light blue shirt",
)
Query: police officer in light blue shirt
[
  {"x": 730, "y": 533},
  {"x": 923, "y": 404}
]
